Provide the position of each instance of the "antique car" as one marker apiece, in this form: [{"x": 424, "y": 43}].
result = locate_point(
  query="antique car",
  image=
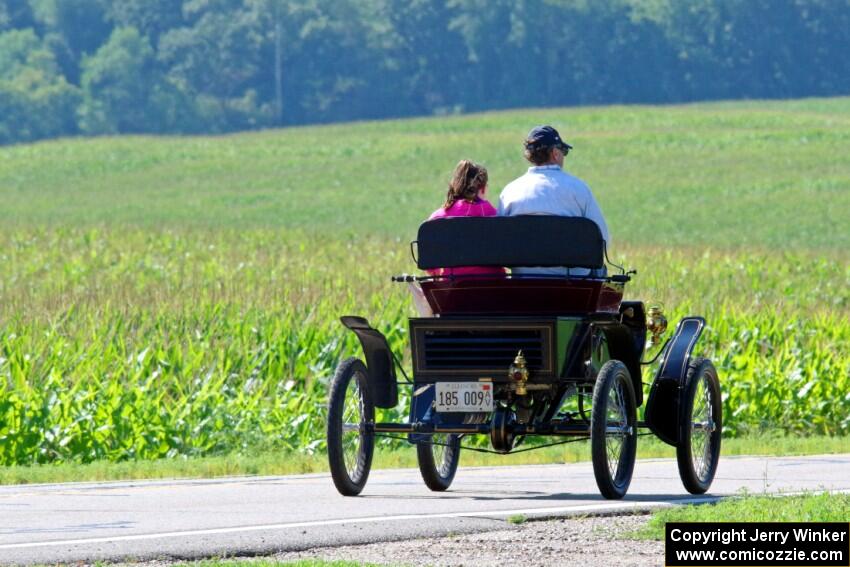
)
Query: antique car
[{"x": 523, "y": 355}]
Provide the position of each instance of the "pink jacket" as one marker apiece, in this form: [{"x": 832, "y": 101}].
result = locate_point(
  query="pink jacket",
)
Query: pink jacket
[{"x": 478, "y": 208}]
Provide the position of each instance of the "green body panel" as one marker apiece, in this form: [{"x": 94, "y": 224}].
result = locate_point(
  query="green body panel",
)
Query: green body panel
[
  {"x": 600, "y": 354},
  {"x": 565, "y": 329}
]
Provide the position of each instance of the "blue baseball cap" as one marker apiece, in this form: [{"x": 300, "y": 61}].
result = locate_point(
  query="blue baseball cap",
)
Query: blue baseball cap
[{"x": 545, "y": 137}]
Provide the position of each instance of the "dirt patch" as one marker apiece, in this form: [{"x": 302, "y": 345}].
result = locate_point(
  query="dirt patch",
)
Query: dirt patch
[{"x": 588, "y": 542}]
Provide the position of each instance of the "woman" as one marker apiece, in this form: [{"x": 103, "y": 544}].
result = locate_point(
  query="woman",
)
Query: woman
[{"x": 465, "y": 198}]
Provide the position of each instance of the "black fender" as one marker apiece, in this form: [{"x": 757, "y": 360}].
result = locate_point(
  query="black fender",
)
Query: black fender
[
  {"x": 665, "y": 394},
  {"x": 379, "y": 361}
]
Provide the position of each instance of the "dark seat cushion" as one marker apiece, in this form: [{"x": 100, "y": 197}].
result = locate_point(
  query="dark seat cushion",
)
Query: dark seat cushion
[{"x": 523, "y": 240}]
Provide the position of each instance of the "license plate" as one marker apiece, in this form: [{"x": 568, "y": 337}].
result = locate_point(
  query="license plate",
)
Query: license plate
[{"x": 464, "y": 396}]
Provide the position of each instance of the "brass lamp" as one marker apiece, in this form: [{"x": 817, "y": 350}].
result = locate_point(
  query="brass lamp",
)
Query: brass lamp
[
  {"x": 519, "y": 374},
  {"x": 656, "y": 324}
]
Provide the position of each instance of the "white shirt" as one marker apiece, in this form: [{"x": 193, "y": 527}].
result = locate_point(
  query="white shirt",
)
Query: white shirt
[{"x": 548, "y": 190}]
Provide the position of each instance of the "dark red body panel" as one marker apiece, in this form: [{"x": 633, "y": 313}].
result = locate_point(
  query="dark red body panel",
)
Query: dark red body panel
[{"x": 522, "y": 296}]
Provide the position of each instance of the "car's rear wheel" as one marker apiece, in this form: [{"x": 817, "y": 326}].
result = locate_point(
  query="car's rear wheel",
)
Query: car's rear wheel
[
  {"x": 350, "y": 442},
  {"x": 613, "y": 430},
  {"x": 701, "y": 426},
  {"x": 438, "y": 459}
]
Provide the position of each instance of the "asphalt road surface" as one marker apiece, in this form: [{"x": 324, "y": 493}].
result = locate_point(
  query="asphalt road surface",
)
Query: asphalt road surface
[{"x": 256, "y": 515}]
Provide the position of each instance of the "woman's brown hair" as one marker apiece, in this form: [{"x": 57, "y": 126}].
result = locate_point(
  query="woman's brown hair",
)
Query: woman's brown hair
[{"x": 467, "y": 181}]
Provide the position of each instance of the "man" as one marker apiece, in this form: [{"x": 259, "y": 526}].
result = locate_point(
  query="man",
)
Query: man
[{"x": 548, "y": 190}]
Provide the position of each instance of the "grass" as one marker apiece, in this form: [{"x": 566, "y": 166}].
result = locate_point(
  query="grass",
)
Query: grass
[
  {"x": 730, "y": 175},
  {"x": 283, "y": 463},
  {"x": 824, "y": 507},
  {"x": 178, "y": 298}
]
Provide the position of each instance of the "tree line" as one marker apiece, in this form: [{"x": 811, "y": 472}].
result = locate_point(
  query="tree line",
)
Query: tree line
[{"x": 70, "y": 67}]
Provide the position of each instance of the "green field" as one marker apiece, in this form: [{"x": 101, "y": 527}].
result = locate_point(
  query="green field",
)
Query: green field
[
  {"x": 822, "y": 507},
  {"x": 765, "y": 174},
  {"x": 180, "y": 296}
]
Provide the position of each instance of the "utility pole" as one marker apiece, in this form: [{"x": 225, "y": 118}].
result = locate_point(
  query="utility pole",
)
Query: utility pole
[{"x": 278, "y": 64}]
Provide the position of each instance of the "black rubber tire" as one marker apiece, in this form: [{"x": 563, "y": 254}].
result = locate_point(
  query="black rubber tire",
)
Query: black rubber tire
[
  {"x": 350, "y": 481},
  {"x": 700, "y": 370},
  {"x": 439, "y": 476},
  {"x": 613, "y": 485}
]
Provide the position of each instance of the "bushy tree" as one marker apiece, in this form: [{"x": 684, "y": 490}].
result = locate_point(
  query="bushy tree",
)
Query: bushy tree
[
  {"x": 35, "y": 100},
  {"x": 429, "y": 56},
  {"x": 72, "y": 29},
  {"x": 124, "y": 91},
  {"x": 221, "y": 65},
  {"x": 15, "y": 14},
  {"x": 151, "y": 17},
  {"x": 322, "y": 60},
  {"x": 216, "y": 57}
]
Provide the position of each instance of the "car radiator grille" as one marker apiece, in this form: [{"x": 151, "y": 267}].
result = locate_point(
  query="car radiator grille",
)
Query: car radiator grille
[{"x": 462, "y": 349}]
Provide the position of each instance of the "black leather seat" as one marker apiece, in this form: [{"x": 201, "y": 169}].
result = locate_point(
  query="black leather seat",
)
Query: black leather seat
[{"x": 523, "y": 240}]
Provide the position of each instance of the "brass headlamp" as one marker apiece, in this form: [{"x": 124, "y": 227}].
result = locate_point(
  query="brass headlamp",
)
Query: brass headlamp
[
  {"x": 519, "y": 374},
  {"x": 656, "y": 324}
]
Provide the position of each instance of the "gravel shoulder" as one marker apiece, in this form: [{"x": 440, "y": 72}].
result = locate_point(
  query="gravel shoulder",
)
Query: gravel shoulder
[
  {"x": 589, "y": 542},
  {"x": 596, "y": 541}
]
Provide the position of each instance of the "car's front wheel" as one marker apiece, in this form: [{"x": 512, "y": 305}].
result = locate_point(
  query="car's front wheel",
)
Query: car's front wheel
[{"x": 613, "y": 430}]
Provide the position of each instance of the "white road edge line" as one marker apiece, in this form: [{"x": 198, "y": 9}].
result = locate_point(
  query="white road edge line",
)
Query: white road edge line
[
  {"x": 585, "y": 508},
  {"x": 546, "y": 511}
]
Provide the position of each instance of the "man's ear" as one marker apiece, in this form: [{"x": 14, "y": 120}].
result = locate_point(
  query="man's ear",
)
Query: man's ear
[{"x": 557, "y": 158}]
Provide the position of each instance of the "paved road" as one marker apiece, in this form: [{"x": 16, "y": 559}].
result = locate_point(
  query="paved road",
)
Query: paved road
[{"x": 249, "y": 515}]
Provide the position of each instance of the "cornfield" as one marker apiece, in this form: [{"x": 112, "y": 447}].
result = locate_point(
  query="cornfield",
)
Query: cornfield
[{"x": 141, "y": 344}]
